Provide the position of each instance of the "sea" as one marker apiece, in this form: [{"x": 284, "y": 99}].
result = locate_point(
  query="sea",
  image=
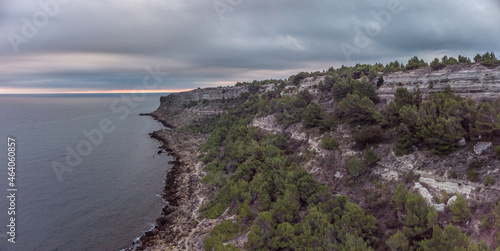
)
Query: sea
[{"x": 87, "y": 174}]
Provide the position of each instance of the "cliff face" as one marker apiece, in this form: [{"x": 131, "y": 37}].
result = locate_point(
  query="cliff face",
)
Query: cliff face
[
  {"x": 180, "y": 105},
  {"x": 181, "y": 228},
  {"x": 184, "y": 98},
  {"x": 473, "y": 81}
]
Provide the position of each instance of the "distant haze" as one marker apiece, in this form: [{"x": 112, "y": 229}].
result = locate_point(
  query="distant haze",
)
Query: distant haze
[{"x": 105, "y": 45}]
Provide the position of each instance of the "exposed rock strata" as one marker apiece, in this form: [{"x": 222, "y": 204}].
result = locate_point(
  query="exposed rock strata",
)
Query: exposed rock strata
[{"x": 474, "y": 81}]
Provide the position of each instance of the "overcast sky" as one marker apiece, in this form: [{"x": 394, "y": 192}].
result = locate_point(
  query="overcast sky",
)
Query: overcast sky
[{"x": 81, "y": 45}]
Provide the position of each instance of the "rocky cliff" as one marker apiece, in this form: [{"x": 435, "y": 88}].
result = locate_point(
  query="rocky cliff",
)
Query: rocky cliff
[
  {"x": 181, "y": 228},
  {"x": 473, "y": 81}
]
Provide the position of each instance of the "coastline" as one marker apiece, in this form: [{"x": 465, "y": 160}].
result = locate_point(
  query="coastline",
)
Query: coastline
[{"x": 183, "y": 192}]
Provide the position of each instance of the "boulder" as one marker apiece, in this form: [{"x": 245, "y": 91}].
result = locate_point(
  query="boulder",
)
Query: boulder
[
  {"x": 452, "y": 200},
  {"x": 439, "y": 207},
  {"x": 482, "y": 147}
]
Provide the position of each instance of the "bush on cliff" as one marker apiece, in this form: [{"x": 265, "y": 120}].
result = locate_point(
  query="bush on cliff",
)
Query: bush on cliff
[
  {"x": 362, "y": 88},
  {"x": 313, "y": 115},
  {"x": 460, "y": 210},
  {"x": 369, "y": 135},
  {"x": 357, "y": 110},
  {"x": 329, "y": 143},
  {"x": 437, "y": 124}
]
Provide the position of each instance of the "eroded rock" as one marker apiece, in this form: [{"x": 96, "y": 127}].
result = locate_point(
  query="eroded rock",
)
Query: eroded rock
[
  {"x": 448, "y": 186},
  {"x": 425, "y": 193},
  {"x": 452, "y": 200},
  {"x": 439, "y": 207},
  {"x": 483, "y": 147}
]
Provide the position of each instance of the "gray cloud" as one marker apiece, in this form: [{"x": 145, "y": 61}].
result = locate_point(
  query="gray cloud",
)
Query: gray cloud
[{"x": 107, "y": 44}]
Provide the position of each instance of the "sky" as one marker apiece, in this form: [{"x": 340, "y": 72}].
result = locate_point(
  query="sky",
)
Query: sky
[{"x": 163, "y": 46}]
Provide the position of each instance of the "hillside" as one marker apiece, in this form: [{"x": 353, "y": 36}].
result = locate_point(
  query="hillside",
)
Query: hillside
[{"x": 326, "y": 160}]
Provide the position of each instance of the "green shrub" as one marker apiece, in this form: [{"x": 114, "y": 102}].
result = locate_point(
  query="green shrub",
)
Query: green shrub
[
  {"x": 473, "y": 167},
  {"x": 223, "y": 232},
  {"x": 355, "y": 170},
  {"x": 369, "y": 157},
  {"x": 341, "y": 89},
  {"x": 460, "y": 210},
  {"x": 358, "y": 110},
  {"x": 496, "y": 214},
  {"x": 330, "y": 143},
  {"x": 380, "y": 81},
  {"x": 488, "y": 180},
  {"x": 369, "y": 135},
  {"x": 485, "y": 222},
  {"x": 419, "y": 217},
  {"x": 313, "y": 115},
  {"x": 449, "y": 238},
  {"x": 444, "y": 197},
  {"x": 473, "y": 175},
  {"x": 497, "y": 152},
  {"x": 398, "y": 241},
  {"x": 477, "y": 164},
  {"x": 436, "y": 65},
  {"x": 216, "y": 207}
]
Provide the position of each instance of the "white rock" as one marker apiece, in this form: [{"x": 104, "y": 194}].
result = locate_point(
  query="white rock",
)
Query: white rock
[
  {"x": 482, "y": 147},
  {"x": 387, "y": 174},
  {"x": 449, "y": 187},
  {"x": 425, "y": 193},
  {"x": 452, "y": 200},
  {"x": 267, "y": 124},
  {"x": 439, "y": 207}
]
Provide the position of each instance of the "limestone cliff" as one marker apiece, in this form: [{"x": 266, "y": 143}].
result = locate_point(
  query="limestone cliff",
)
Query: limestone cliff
[
  {"x": 474, "y": 81},
  {"x": 181, "y": 228}
]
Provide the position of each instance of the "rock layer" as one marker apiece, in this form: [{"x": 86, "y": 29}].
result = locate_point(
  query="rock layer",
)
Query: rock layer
[{"x": 470, "y": 81}]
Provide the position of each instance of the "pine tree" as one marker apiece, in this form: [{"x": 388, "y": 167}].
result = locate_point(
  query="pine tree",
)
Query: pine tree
[
  {"x": 354, "y": 243},
  {"x": 369, "y": 157},
  {"x": 400, "y": 197},
  {"x": 496, "y": 214},
  {"x": 449, "y": 238},
  {"x": 478, "y": 246},
  {"x": 488, "y": 120},
  {"x": 283, "y": 236},
  {"x": 380, "y": 81},
  {"x": 461, "y": 212},
  {"x": 315, "y": 232},
  {"x": 355, "y": 222},
  {"x": 419, "y": 217},
  {"x": 312, "y": 116},
  {"x": 358, "y": 110},
  {"x": 398, "y": 242}
]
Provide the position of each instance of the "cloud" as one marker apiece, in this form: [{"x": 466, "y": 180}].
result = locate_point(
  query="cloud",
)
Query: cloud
[{"x": 107, "y": 44}]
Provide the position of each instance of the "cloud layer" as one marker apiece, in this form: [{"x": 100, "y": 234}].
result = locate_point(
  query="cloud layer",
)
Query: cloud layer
[{"x": 107, "y": 44}]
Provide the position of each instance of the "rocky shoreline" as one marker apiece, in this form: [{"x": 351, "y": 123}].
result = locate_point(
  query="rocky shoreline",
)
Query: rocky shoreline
[{"x": 183, "y": 193}]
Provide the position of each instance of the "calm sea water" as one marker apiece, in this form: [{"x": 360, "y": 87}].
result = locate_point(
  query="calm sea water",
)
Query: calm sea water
[{"x": 110, "y": 197}]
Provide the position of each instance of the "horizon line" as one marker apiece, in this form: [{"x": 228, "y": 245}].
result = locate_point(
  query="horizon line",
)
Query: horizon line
[{"x": 102, "y": 92}]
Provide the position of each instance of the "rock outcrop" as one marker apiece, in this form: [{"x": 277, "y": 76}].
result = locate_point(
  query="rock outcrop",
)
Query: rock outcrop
[
  {"x": 482, "y": 147},
  {"x": 470, "y": 81}
]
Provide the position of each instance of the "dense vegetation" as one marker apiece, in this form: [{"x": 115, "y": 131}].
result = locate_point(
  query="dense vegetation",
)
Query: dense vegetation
[{"x": 280, "y": 206}]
